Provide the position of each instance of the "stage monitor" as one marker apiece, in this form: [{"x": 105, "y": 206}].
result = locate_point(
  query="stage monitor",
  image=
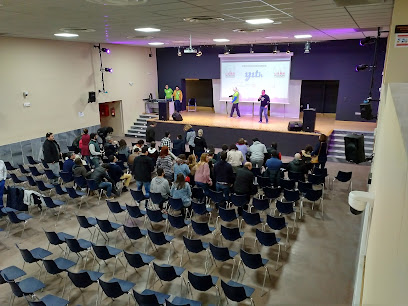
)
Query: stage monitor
[{"x": 252, "y": 72}]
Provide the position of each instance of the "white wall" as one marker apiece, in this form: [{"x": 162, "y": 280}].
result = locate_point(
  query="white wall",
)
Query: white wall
[{"x": 58, "y": 76}]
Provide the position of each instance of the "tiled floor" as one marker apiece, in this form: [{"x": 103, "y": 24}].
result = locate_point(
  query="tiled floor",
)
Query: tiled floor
[{"x": 317, "y": 268}]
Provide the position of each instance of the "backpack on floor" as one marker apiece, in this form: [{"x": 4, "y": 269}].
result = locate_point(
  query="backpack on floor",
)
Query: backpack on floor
[{"x": 177, "y": 116}]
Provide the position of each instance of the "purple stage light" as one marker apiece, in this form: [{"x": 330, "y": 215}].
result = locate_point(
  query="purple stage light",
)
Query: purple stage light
[
  {"x": 106, "y": 50},
  {"x": 109, "y": 70}
]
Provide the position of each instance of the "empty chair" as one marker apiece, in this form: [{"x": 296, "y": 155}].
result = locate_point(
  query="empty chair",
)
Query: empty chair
[
  {"x": 105, "y": 252},
  {"x": 44, "y": 186},
  {"x": 9, "y": 167},
  {"x": 268, "y": 239},
  {"x": 288, "y": 184},
  {"x": 31, "y": 160},
  {"x": 115, "y": 288},
  {"x": 134, "y": 233},
  {"x": 61, "y": 191},
  {"x": 222, "y": 254},
  {"x": 10, "y": 273},
  {"x": 198, "y": 194},
  {"x": 79, "y": 245},
  {"x": 75, "y": 194},
  {"x": 115, "y": 208},
  {"x": 321, "y": 173},
  {"x": 66, "y": 177},
  {"x": 286, "y": 208},
  {"x": 87, "y": 223},
  {"x": 227, "y": 215},
  {"x": 232, "y": 234},
  {"x": 134, "y": 212},
  {"x": 45, "y": 165},
  {"x": 202, "y": 282},
  {"x": 14, "y": 218},
  {"x": 31, "y": 181},
  {"x": 304, "y": 186},
  {"x": 82, "y": 279},
  {"x": 157, "y": 199},
  {"x": 237, "y": 292},
  {"x": 33, "y": 256},
  {"x": 239, "y": 200},
  {"x": 93, "y": 186},
  {"x": 159, "y": 238},
  {"x": 150, "y": 298},
  {"x": 27, "y": 286},
  {"x": 169, "y": 273},
  {"x": 49, "y": 300},
  {"x": 23, "y": 170},
  {"x": 105, "y": 226},
  {"x": 57, "y": 239},
  {"x": 175, "y": 204},
  {"x": 200, "y": 209},
  {"x": 52, "y": 204},
  {"x": 35, "y": 172},
  {"x": 344, "y": 177},
  {"x": 176, "y": 222},
  {"x": 272, "y": 193},
  {"x": 194, "y": 246},
  {"x": 57, "y": 266},
  {"x": 313, "y": 196},
  {"x": 263, "y": 181},
  {"x": 201, "y": 228},
  {"x": 260, "y": 204},
  {"x": 191, "y": 105},
  {"x": 291, "y": 195},
  {"x": 138, "y": 260},
  {"x": 80, "y": 181},
  {"x": 138, "y": 196},
  {"x": 217, "y": 197},
  {"x": 252, "y": 219},
  {"x": 18, "y": 179},
  {"x": 316, "y": 179},
  {"x": 254, "y": 261},
  {"x": 50, "y": 175},
  {"x": 278, "y": 224},
  {"x": 155, "y": 216},
  {"x": 181, "y": 301}
]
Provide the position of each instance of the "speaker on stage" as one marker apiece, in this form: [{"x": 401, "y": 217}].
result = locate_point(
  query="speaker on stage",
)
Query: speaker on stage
[
  {"x": 163, "y": 110},
  {"x": 309, "y": 119},
  {"x": 366, "y": 111},
  {"x": 295, "y": 126},
  {"x": 354, "y": 148}
]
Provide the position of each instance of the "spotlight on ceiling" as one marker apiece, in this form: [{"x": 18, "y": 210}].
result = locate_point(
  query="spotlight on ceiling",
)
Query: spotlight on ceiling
[
  {"x": 108, "y": 70},
  {"x": 362, "y": 67},
  {"x": 307, "y": 47},
  {"x": 199, "y": 53},
  {"x": 367, "y": 41},
  {"x": 251, "y": 49},
  {"x": 178, "y": 51},
  {"x": 288, "y": 50},
  {"x": 106, "y": 50},
  {"x": 226, "y": 50},
  {"x": 275, "y": 49}
]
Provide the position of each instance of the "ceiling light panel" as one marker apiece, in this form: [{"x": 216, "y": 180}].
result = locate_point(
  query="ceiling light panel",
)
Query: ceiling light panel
[
  {"x": 259, "y": 21},
  {"x": 147, "y": 30}
]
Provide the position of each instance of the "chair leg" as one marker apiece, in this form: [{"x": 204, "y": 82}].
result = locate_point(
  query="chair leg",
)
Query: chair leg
[{"x": 277, "y": 260}]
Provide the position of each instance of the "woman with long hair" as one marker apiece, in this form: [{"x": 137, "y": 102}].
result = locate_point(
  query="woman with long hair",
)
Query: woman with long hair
[
  {"x": 235, "y": 157},
  {"x": 241, "y": 146},
  {"x": 321, "y": 151},
  {"x": 202, "y": 176},
  {"x": 123, "y": 148},
  {"x": 165, "y": 162},
  {"x": 181, "y": 190},
  {"x": 190, "y": 136}
]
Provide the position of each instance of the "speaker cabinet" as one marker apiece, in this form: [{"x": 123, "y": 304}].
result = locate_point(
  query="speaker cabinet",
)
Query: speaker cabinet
[
  {"x": 354, "y": 148},
  {"x": 366, "y": 111},
  {"x": 309, "y": 119},
  {"x": 164, "y": 110},
  {"x": 91, "y": 97},
  {"x": 295, "y": 126}
]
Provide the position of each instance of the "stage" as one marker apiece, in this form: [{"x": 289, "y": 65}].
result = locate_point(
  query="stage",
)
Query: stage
[{"x": 220, "y": 129}]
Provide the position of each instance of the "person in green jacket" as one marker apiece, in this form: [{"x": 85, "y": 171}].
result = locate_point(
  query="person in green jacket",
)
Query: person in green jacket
[
  {"x": 178, "y": 99},
  {"x": 168, "y": 93},
  {"x": 235, "y": 102}
]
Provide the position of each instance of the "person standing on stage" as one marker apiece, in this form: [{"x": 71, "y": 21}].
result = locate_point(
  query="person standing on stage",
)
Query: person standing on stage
[
  {"x": 178, "y": 98},
  {"x": 235, "y": 101},
  {"x": 264, "y": 99},
  {"x": 168, "y": 93}
]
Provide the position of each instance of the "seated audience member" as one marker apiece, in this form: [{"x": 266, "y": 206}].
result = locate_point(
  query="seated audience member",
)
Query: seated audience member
[
  {"x": 223, "y": 175},
  {"x": 142, "y": 171},
  {"x": 110, "y": 147},
  {"x": 166, "y": 141},
  {"x": 95, "y": 150},
  {"x": 179, "y": 146},
  {"x": 69, "y": 163},
  {"x": 181, "y": 167},
  {"x": 242, "y": 146},
  {"x": 224, "y": 148},
  {"x": 116, "y": 173},
  {"x": 235, "y": 157},
  {"x": 160, "y": 185},
  {"x": 140, "y": 144},
  {"x": 258, "y": 151},
  {"x": 202, "y": 176},
  {"x": 102, "y": 179},
  {"x": 152, "y": 152},
  {"x": 136, "y": 153},
  {"x": 199, "y": 143},
  {"x": 79, "y": 169},
  {"x": 123, "y": 148},
  {"x": 273, "y": 166},
  {"x": 244, "y": 184},
  {"x": 297, "y": 165},
  {"x": 307, "y": 154},
  {"x": 181, "y": 190},
  {"x": 165, "y": 162},
  {"x": 274, "y": 146}
]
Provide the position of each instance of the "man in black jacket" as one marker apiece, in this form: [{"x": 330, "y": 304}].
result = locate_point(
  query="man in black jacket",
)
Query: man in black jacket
[
  {"x": 103, "y": 132},
  {"x": 142, "y": 171},
  {"x": 99, "y": 175},
  {"x": 244, "y": 182},
  {"x": 52, "y": 155},
  {"x": 150, "y": 132},
  {"x": 223, "y": 175}
]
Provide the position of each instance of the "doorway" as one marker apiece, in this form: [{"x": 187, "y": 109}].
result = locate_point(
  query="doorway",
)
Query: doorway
[
  {"x": 321, "y": 95},
  {"x": 110, "y": 114},
  {"x": 201, "y": 90}
]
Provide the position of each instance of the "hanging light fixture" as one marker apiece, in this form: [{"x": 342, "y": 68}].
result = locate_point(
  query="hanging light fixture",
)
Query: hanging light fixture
[
  {"x": 275, "y": 49},
  {"x": 307, "y": 47},
  {"x": 178, "y": 51},
  {"x": 199, "y": 52},
  {"x": 251, "y": 49},
  {"x": 288, "y": 50},
  {"x": 226, "y": 50}
]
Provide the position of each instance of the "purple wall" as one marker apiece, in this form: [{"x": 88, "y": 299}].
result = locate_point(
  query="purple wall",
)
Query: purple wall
[{"x": 329, "y": 60}]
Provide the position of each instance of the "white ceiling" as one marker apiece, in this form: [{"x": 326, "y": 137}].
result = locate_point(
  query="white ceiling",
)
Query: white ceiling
[{"x": 116, "y": 23}]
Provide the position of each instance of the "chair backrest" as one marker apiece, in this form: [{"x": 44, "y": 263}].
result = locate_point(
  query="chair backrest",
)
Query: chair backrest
[
  {"x": 13, "y": 217},
  {"x": 314, "y": 195},
  {"x": 41, "y": 185},
  {"x": 50, "y": 175},
  {"x": 66, "y": 176},
  {"x": 92, "y": 184},
  {"x": 157, "y": 238},
  {"x": 296, "y": 176},
  {"x": 30, "y": 180},
  {"x": 59, "y": 190},
  {"x": 31, "y": 160},
  {"x": 198, "y": 208},
  {"x": 256, "y": 171},
  {"x": 34, "y": 171},
  {"x": 51, "y": 267},
  {"x": 122, "y": 158},
  {"x": 27, "y": 256},
  {"x": 219, "y": 253},
  {"x": 133, "y": 232},
  {"x": 344, "y": 176},
  {"x": 227, "y": 215},
  {"x": 252, "y": 261},
  {"x": 134, "y": 211},
  {"x": 239, "y": 200},
  {"x": 236, "y": 294},
  {"x": 154, "y": 215},
  {"x": 303, "y": 187},
  {"x": 156, "y": 198},
  {"x": 266, "y": 238},
  {"x": 260, "y": 204},
  {"x": 216, "y": 196},
  {"x": 316, "y": 179},
  {"x": 105, "y": 225},
  {"x": 49, "y": 202},
  {"x": 251, "y": 218},
  {"x": 263, "y": 181},
  {"x": 166, "y": 273},
  {"x": 200, "y": 228},
  {"x": 114, "y": 206},
  {"x": 287, "y": 184},
  {"x": 137, "y": 195},
  {"x": 72, "y": 193},
  {"x": 15, "y": 179},
  {"x": 230, "y": 233},
  {"x": 193, "y": 245},
  {"x": 319, "y": 171},
  {"x": 53, "y": 238},
  {"x": 73, "y": 245},
  {"x": 80, "y": 279},
  {"x": 200, "y": 282},
  {"x": 83, "y": 222},
  {"x": 276, "y": 223},
  {"x": 45, "y": 165},
  {"x": 111, "y": 289},
  {"x": 180, "y": 302},
  {"x": 176, "y": 221},
  {"x": 15, "y": 288},
  {"x": 23, "y": 170},
  {"x": 146, "y": 298},
  {"x": 284, "y": 207},
  {"x": 135, "y": 260},
  {"x": 198, "y": 193},
  {"x": 176, "y": 204},
  {"x": 9, "y": 167},
  {"x": 291, "y": 195},
  {"x": 80, "y": 181},
  {"x": 101, "y": 251}
]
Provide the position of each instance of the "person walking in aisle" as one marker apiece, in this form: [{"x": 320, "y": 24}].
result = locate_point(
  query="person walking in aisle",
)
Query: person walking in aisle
[
  {"x": 178, "y": 99},
  {"x": 52, "y": 155},
  {"x": 3, "y": 177},
  {"x": 168, "y": 93},
  {"x": 190, "y": 136},
  {"x": 85, "y": 146},
  {"x": 264, "y": 99},
  {"x": 235, "y": 102}
]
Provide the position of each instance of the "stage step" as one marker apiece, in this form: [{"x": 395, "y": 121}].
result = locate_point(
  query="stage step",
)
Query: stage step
[{"x": 138, "y": 129}]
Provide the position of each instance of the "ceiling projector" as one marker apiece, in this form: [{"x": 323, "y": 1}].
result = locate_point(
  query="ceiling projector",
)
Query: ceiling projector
[{"x": 190, "y": 50}]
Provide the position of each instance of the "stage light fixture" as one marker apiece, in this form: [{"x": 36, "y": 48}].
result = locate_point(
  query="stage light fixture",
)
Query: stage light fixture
[
  {"x": 288, "y": 50},
  {"x": 307, "y": 47},
  {"x": 108, "y": 70},
  {"x": 275, "y": 49},
  {"x": 362, "y": 67},
  {"x": 199, "y": 53},
  {"x": 106, "y": 50},
  {"x": 367, "y": 41},
  {"x": 251, "y": 49},
  {"x": 179, "y": 52},
  {"x": 226, "y": 50}
]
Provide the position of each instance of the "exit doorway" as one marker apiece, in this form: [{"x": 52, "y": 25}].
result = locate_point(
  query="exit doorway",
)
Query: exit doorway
[
  {"x": 201, "y": 90},
  {"x": 321, "y": 95},
  {"x": 111, "y": 114}
]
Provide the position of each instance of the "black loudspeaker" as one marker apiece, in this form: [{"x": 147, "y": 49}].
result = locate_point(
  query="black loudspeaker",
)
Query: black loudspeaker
[
  {"x": 164, "y": 110},
  {"x": 366, "y": 111},
  {"x": 295, "y": 126},
  {"x": 91, "y": 97},
  {"x": 309, "y": 119},
  {"x": 354, "y": 148}
]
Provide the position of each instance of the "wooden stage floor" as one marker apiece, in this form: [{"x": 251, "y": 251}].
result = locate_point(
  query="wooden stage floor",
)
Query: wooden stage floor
[{"x": 325, "y": 123}]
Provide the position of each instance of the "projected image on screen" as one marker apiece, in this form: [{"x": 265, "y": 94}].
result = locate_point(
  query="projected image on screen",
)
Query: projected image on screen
[{"x": 250, "y": 75}]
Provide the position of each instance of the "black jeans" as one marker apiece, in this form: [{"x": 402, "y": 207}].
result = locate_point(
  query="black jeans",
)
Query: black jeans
[{"x": 235, "y": 106}]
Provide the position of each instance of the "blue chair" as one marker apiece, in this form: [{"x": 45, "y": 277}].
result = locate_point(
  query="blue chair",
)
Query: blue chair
[
  {"x": 14, "y": 218},
  {"x": 50, "y": 175},
  {"x": 138, "y": 260},
  {"x": 304, "y": 186},
  {"x": 83, "y": 279},
  {"x": 278, "y": 224},
  {"x": 291, "y": 195},
  {"x": 150, "y": 298},
  {"x": 314, "y": 196},
  {"x": 52, "y": 204},
  {"x": 156, "y": 198},
  {"x": 87, "y": 223},
  {"x": 263, "y": 181},
  {"x": 31, "y": 160},
  {"x": 57, "y": 239},
  {"x": 159, "y": 238},
  {"x": 33, "y": 256},
  {"x": 44, "y": 186},
  {"x": 272, "y": 193},
  {"x": 202, "y": 282},
  {"x": 79, "y": 245},
  {"x": 297, "y": 177},
  {"x": 217, "y": 197},
  {"x": 177, "y": 222},
  {"x": 18, "y": 179},
  {"x": 27, "y": 286},
  {"x": 175, "y": 205},
  {"x": 92, "y": 186},
  {"x": 194, "y": 246},
  {"x": 115, "y": 288},
  {"x": 268, "y": 239},
  {"x": 75, "y": 194},
  {"x": 23, "y": 170},
  {"x": 49, "y": 300},
  {"x": 9, "y": 167},
  {"x": 239, "y": 200},
  {"x": 134, "y": 233},
  {"x": 237, "y": 292},
  {"x": 200, "y": 209},
  {"x": 344, "y": 177},
  {"x": 316, "y": 179},
  {"x": 66, "y": 177},
  {"x": 31, "y": 181},
  {"x": 134, "y": 212},
  {"x": 286, "y": 208},
  {"x": 201, "y": 228},
  {"x": 260, "y": 204},
  {"x": 254, "y": 261},
  {"x": 288, "y": 184},
  {"x": 138, "y": 196},
  {"x": 252, "y": 219},
  {"x": 105, "y": 252},
  {"x": 180, "y": 301},
  {"x": 154, "y": 216},
  {"x": 57, "y": 266},
  {"x": 222, "y": 254},
  {"x": 45, "y": 165},
  {"x": 105, "y": 226},
  {"x": 61, "y": 191},
  {"x": 168, "y": 273},
  {"x": 197, "y": 193},
  {"x": 232, "y": 234},
  {"x": 10, "y": 273},
  {"x": 115, "y": 208},
  {"x": 80, "y": 181},
  {"x": 227, "y": 215},
  {"x": 35, "y": 172}
]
